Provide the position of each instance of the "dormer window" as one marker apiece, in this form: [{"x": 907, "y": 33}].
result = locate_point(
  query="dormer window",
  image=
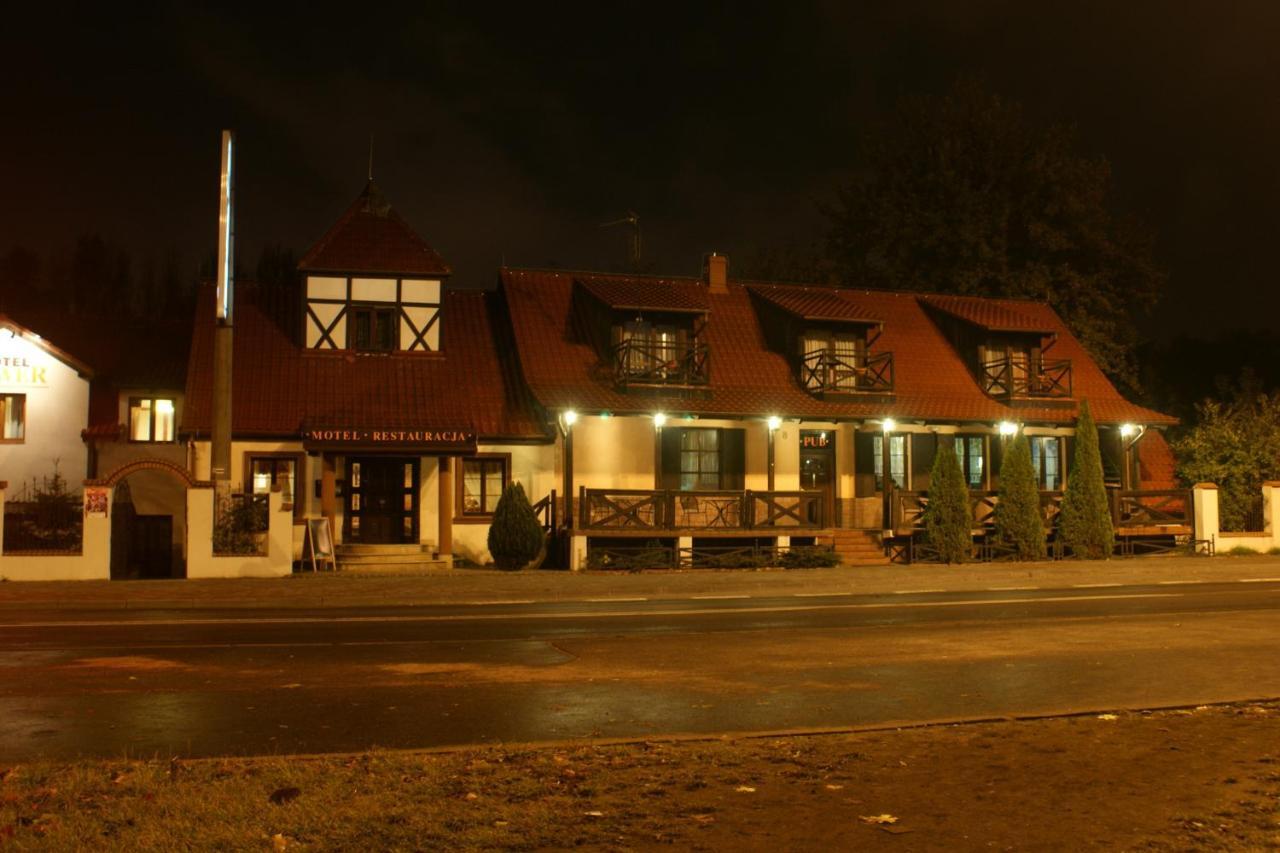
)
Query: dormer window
[
  {"x": 653, "y": 352},
  {"x": 1016, "y": 368},
  {"x": 833, "y": 361},
  {"x": 372, "y": 329}
]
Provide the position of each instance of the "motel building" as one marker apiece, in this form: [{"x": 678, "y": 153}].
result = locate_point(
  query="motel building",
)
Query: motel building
[{"x": 652, "y": 420}]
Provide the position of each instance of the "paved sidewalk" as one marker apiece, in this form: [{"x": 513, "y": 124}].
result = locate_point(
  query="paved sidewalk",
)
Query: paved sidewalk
[{"x": 470, "y": 586}]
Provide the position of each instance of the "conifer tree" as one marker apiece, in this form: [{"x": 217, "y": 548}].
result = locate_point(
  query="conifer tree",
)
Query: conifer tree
[
  {"x": 947, "y": 520},
  {"x": 1018, "y": 518},
  {"x": 515, "y": 536},
  {"x": 1085, "y": 521}
]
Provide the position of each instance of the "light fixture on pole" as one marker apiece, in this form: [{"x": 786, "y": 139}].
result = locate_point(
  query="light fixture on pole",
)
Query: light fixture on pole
[
  {"x": 888, "y": 424},
  {"x": 1008, "y": 428},
  {"x": 774, "y": 422},
  {"x": 659, "y": 420}
]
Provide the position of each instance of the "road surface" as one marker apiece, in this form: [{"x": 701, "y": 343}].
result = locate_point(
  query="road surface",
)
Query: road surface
[{"x": 262, "y": 681}]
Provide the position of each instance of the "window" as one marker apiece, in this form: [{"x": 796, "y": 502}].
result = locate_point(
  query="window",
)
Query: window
[
  {"x": 969, "y": 450},
  {"x": 268, "y": 471},
  {"x": 1046, "y": 458},
  {"x": 699, "y": 459},
  {"x": 833, "y": 361},
  {"x": 13, "y": 416},
  {"x": 897, "y": 460},
  {"x": 481, "y": 484},
  {"x": 373, "y": 329},
  {"x": 652, "y": 351},
  {"x": 151, "y": 419}
]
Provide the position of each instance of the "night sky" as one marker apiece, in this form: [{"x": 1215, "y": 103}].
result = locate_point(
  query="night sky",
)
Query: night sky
[{"x": 504, "y": 133}]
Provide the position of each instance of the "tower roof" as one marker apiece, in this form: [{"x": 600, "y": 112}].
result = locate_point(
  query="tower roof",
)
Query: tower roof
[{"x": 372, "y": 238}]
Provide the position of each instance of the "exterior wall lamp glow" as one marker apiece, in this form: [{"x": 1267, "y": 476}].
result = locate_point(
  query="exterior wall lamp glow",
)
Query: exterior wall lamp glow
[
  {"x": 1128, "y": 430},
  {"x": 774, "y": 422},
  {"x": 659, "y": 420},
  {"x": 570, "y": 417},
  {"x": 1008, "y": 428},
  {"x": 888, "y": 425}
]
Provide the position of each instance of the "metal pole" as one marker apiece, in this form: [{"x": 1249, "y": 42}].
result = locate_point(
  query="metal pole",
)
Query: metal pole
[{"x": 220, "y": 456}]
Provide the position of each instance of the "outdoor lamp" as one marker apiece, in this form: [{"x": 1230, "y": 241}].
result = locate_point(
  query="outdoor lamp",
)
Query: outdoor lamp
[
  {"x": 659, "y": 419},
  {"x": 570, "y": 417},
  {"x": 888, "y": 425},
  {"x": 1008, "y": 428},
  {"x": 774, "y": 422},
  {"x": 1128, "y": 430}
]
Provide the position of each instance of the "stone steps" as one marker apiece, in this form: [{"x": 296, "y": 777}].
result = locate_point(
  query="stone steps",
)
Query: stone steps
[
  {"x": 365, "y": 559},
  {"x": 858, "y": 546}
]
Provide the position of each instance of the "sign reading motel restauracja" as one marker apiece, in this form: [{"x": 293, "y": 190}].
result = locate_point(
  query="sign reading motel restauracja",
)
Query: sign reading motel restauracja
[{"x": 347, "y": 438}]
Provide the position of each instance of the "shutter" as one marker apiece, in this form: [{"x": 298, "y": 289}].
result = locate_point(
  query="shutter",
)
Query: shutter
[
  {"x": 671, "y": 437},
  {"x": 733, "y": 458}
]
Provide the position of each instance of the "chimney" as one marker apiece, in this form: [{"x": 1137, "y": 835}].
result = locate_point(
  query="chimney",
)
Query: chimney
[{"x": 716, "y": 271}]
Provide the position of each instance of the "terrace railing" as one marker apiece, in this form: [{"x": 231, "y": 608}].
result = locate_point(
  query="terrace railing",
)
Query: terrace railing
[
  {"x": 664, "y": 509},
  {"x": 825, "y": 371},
  {"x": 1010, "y": 377},
  {"x": 641, "y": 361},
  {"x": 1160, "y": 508}
]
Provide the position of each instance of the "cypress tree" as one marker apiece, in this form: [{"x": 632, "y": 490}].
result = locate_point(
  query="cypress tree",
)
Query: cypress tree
[
  {"x": 515, "y": 536},
  {"x": 1085, "y": 521},
  {"x": 1018, "y": 518},
  {"x": 947, "y": 519}
]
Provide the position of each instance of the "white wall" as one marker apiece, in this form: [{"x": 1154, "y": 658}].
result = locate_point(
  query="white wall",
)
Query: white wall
[
  {"x": 57, "y": 409},
  {"x": 92, "y": 563},
  {"x": 534, "y": 467},
  {"x": 201, "y": 561}
]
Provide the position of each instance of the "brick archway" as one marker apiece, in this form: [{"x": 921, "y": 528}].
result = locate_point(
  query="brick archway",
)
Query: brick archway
[{"x": 163, "y": 465}]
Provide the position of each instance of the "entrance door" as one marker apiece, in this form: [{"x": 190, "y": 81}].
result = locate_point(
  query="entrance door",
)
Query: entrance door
[
  {"x": 816, "y": 475},
  {"x": 152, "y": 552},
  {"x": 382, "y": 500}
]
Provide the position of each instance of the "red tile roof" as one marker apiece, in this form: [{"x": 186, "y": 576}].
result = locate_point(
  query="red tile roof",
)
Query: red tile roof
[
  {"x": 646, "y": 294},
  {"x": 278, "y": 386},
  {"x": 749, "y": 379},
  {"x": 372, "y": 238},
  {"x": 990, "y": 314},
  {"x": 816, "y": 303}
]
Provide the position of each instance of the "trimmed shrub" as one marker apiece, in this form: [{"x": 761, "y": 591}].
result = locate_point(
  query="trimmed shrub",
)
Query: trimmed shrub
[
  {"x": 809, "y": 557},
  {"x": 515, "y": 536},
  {"x": 1085, "y": 521},
  {"x": 1243, "y": 551},
  {"x": 947, "y": 523},
  {"x": 1018, "y": 518}
]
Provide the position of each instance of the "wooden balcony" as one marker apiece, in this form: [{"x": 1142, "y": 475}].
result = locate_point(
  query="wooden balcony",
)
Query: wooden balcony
[
  {"x": 1035, "y": 378},
  {"x": 645, "y": 362},
  {"x": 825, "y": 372},
  {"x": 631, "y": 510}
]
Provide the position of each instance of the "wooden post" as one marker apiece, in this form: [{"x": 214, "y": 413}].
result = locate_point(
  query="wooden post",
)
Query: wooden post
[
  {"x": 771, "y": 458},
  {"x": 444, "y": 512},
  {"x": 568, "y": 476},
  {"x": 657, "y": 457},
  {"x": 329, "y": 491}
]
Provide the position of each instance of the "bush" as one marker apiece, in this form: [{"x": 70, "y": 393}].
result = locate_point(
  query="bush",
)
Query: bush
[
  {"x": 1273, "y": 552},
  {"x": 1244, "y": 551},
  {"x": 809, "y": 557},
  {"x": 947, "y": 520},
  {"x": 1018, "y": 518},
  {"x": 239, "y": 522},
  {"x": 515, "y": 536},
  {"x": 1084, "y": 524}
]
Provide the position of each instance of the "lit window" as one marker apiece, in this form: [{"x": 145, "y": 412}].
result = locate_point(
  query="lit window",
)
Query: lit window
[
  {"x": 1046, "y": 455},
  {"x": 897, "y": 460},
  {"x": 13, "y": 415},
  {"x": 969, "y": 450},
  {"x": 151, "y": 419},
  {"x": 483, "y": 479},
  {"x": 267, "y": 471},
  {"x": 699, "y": 459}
]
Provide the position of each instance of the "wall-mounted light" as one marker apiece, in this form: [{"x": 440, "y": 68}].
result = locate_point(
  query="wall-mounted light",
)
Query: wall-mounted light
[
  {"x": 606, "y": 415},
  {"x": 1128, "y": 430},
  {"x": 659, "y": 419},
  {"x": 774, "y": 422},
  {"x": 1008, "y": 428},
  {"x": 569, "y": 416},
  {"x": 888, "y": 425}
]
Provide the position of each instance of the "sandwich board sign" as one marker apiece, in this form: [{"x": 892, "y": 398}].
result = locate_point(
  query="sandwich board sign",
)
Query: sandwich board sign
[{"x": 317, "y": 545}]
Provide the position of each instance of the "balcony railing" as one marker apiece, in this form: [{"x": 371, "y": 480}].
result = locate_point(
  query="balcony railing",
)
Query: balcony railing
[
  {"x": 663, "y": 509},
  {"x": 638, "y": 361},
  {"x": 1012, "y": 377},
  {"x": 1130, "y": 510},
  {"x": 825, "y": 371}
]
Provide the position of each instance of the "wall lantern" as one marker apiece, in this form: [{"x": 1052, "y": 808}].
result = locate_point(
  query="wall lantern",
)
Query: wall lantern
[
  {"x": 659, "y": 420},
  {"x": 888, "y": 425},
  {"x": 569, "y": 416},
  {"x": 1128, "y": 430},
  {"x": 1008, "y": 428},
  {"x": 774, "y": 422}
]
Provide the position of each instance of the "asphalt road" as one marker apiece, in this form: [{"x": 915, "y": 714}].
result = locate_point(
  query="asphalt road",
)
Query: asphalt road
[{"x": 209, "y": 682}]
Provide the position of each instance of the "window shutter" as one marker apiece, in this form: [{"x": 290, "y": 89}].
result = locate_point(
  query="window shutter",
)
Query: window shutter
[
  {"x": 733, "y": 458},
  {"x": 671, "y": 437}
]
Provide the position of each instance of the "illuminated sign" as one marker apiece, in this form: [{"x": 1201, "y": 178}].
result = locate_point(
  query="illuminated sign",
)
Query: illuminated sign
[
  {"x": 18, "y": 370},
  {"x": 812, "y": 439},
  {"x": 446, "y": 440}
]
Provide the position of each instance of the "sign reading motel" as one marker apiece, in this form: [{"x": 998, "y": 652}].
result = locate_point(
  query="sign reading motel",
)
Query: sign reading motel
[{"x": 346, "y": 438}]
